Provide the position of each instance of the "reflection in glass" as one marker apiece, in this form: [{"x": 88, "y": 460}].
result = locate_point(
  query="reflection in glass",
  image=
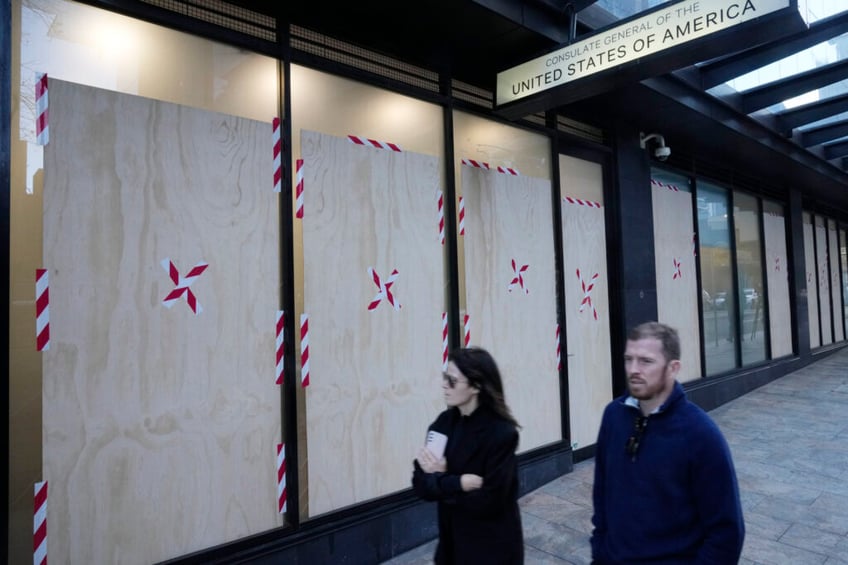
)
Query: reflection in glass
[
  {"x": 716, "y": 278},
  {"x": 752, "y": 303}
]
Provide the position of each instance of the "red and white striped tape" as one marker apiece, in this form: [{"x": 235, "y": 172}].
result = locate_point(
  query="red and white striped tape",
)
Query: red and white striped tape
[
  {"x": 281, "y": 478},
  {"x": 467, "y": 330},
  {"x": 384, "y": 289},
  {"x": 42, "y": 310},
  {"x": 588, "y": 203},
  {"x": 461, "y": 216},
  {"x": 39, "y": 525},
  {"x": 440, "y": 204},
  {"x": 42, "y": 129},
  {"x": 373, "y": 143},
  {"x": 668, "y": 186},
  {"x": 473, "y": 163},
  {"x": 277, "y": 141},
  {"x": 281, "y": 324},
  {"x": 444, "y": 341},
  {"x": 304, "y": 350},
  {"x": 558, "y": 349},
  {"x": 487, "y": 166},
  {"x": 183, "y": 284},
  {"x": 299, "y": 189},
  {"x": 587, "y": 293}
]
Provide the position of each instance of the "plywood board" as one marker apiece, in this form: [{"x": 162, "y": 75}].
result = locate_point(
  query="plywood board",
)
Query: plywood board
[
  {"x": 812, "y": 283},
  {"x": 835, "y": 286},
  {"x": 374, "y": 375},
  {"x": 843, "y": 266},
  {"x": 508, "y": 233},
  {"x": 587, "y": 318},
  {"x": 823, "y": 282},
  {"x": 160, "y": 423},
  {"x": 677, "y": 286},
  {"x": 777, "y": 281}
]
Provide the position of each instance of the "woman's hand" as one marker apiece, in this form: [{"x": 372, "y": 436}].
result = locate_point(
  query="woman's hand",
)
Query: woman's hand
[
  {"x": 470, "y": 482},
  {"x": 430, "y": 463}
]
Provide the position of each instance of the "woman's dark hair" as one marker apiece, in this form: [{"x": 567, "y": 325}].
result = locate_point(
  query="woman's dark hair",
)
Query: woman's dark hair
[{"x": 482, "y": 372}]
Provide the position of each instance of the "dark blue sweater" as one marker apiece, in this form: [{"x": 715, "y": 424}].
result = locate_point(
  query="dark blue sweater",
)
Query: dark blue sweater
[{"x": 677, "y": 500}]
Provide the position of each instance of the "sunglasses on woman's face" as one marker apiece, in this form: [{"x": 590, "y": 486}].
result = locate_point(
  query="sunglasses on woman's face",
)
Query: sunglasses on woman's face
[{"x": 451, "y": 380}]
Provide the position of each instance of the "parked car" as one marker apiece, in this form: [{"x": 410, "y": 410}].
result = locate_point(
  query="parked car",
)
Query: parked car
[{"x": 751, "y": 296}]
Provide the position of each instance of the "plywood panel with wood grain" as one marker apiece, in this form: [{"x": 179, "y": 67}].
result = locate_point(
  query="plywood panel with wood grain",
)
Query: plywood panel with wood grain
[
  {"x": 823, "y": 275},
  {"x": 677, "y": 288},
  {"x": 160, "y": 419},
  {"x": 835, "y": 286},
  {"x": 812, "y": 282},
  {"x": 370, "y": 237},
  {"x": 586, "y": 314},
  {"x": 777, "y": 280},
  {"x": 510, "y": 286}
]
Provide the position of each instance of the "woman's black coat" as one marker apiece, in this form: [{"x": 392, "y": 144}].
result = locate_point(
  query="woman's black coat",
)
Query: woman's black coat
[{"x": 483, "y": 525}]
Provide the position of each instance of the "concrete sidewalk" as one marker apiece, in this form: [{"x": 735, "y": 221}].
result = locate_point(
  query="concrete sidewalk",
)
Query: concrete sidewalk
[{"x": 790, "y": 445}]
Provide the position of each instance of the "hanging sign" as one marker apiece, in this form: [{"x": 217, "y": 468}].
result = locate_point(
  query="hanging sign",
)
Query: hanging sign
[{"x": 647, "y": 45}]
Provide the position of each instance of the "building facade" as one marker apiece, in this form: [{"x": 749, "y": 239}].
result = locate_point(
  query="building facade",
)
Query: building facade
[{"x": 242, "y": 240}]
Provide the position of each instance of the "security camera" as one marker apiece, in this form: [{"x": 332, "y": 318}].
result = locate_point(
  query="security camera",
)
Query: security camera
[{"x": 662, "y": 151}]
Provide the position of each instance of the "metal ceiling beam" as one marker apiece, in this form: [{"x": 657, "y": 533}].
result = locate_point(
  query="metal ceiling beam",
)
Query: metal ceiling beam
[
  {"x": 812, "y": 112},
  {"x": 790, "y": 87},
  {"x": 816, "y": 136},
  {"x": 836, "y": 150},
  {"x": 726, "y": 68},
  {"x": 560, "y": 6},
  {"x": 759, "y": 139},
  {"x": 545, "y": 17}
]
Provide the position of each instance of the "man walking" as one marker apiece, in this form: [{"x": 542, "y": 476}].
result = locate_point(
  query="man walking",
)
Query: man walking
[{"x": 665, "y": 489}]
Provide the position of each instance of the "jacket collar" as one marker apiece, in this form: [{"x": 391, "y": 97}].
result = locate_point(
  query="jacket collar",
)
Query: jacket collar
[{"x": 677, "y": 393}]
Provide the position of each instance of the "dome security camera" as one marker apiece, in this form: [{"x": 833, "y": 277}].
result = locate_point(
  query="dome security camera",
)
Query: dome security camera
[{"x": 662, "y": 152}]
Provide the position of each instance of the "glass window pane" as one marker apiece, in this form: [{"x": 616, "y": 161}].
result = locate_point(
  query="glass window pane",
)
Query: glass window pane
[
  {"x": 348, "y": 186},
  {"x": 716, "y": 278},
  {"x": 504, "y": 189},
  {"x": 72, "y": 42},
  {"x": 749, "y": 253}
]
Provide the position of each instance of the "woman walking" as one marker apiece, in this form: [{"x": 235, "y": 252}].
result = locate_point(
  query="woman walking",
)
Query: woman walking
[{"x": 475, "y": 481}]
